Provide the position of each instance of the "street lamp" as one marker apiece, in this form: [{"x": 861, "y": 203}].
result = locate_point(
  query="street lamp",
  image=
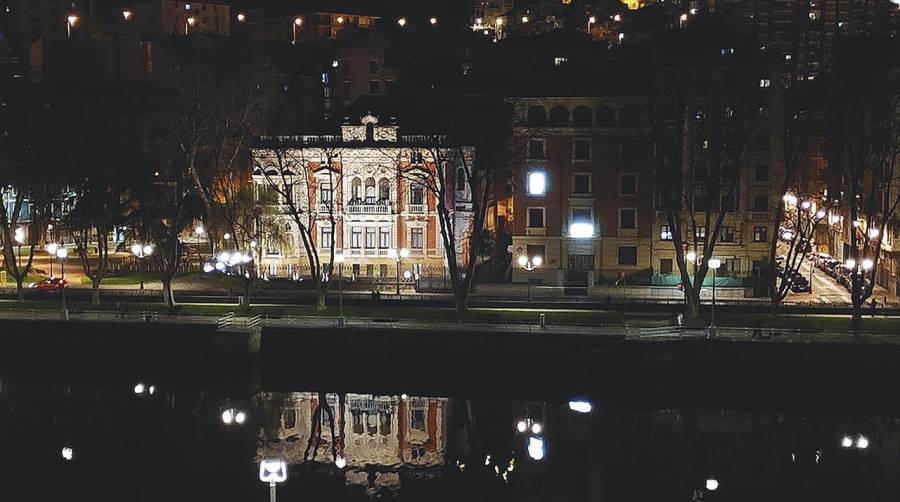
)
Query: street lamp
[
  {"x": 401, "y": 22},
  {"x": 298, "y": 22},
  {"x": 529, "y": 264},
  {"x": 433, "y": 21},
  {"x": 339, "y": 259},
  {"x": 62, "y": 253},
  {"x": 70, "y": 23},
  {"x": 199, "y": 233},
  {"x": 714, "y": 264},
  {"x": 591, "y": 20},
  {"x": 681, "y": 20},
  {"x": 241, "y": 17},
  {"x": 190, "y": 22},
  {"x": 20, "y": 239},
  {"x": 234, "y": 416},
  {"x": 272, "y": 471},
  {"x": 126, "y": 14},
  {"x": 398, "y": 257},
  {"x": 51, "y": 251},
  {"x": 141, "y": 251}
]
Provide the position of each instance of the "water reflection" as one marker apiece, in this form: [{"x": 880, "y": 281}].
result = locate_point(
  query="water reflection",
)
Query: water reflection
[
  {"x": 115, "y": 444},
  {"x": 371, "y": 438}
]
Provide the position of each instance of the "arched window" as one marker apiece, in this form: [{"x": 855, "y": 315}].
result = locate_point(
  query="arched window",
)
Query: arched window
[
  {"x": 356, "y": 189},
  {"x": 416, "y": 194},
  {"x": 581, "y": 116},
  {"x": 537, "y": 116},
  {"x": 461, "y": 179},
  {"x": 559, "y": 115},
  {"x": 629, "y": 116},
  {"x": 370, "y": 190},
  {"x": 606, "y": 116},
  {"x": 384, "y": 190}
]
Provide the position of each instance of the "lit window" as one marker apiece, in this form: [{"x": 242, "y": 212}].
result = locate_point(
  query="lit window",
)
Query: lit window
[
  {"x": 582, "y": 223},
  {"x": 665, "y": 233},
  {"x": 537, "y": 183},
  {"x": 559, "y": 60},
  {"x": 765, "y": 82},
  {"x": 187, "y": 6}
]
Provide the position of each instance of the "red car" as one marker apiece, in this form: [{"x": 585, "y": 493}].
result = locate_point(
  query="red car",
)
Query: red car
[{"x": 52, "y": 284}]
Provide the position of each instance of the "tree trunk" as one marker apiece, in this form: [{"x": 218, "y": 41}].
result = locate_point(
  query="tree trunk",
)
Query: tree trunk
[
  {"x": 95, "y": 291},
  {"x": 856, "y": 323},
  {"x": 245, "y": 299},
  {"x": 461, "y": 299},
  {"x": 20, "y": 289},
  {"x": 692, "y": 302},
  {"x": 168, "y": 295},
  {"x": 320, "y": 298}
]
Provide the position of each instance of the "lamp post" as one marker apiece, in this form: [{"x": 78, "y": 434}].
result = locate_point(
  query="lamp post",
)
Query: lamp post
[
  {"x": 62, "y": 253},
  {"x": 141, "y": 251},
  {"x": 272, "y": 471},
  {"x": 70, "y": 23},
  {"x": 714, "y": 264},
  {"x": 51, "y": 252},
  {"x": 199, "y": 232},
  {"x": 339, "y": 259},
  {"x": 20, "y": 239},
  {"x": 529, "y": 264},
  {"x": 591, "y": 20},
  {"x": 187, "y": 24},
  {"x": 298, "y": 22},
  {"x": 398, "y": 257}
]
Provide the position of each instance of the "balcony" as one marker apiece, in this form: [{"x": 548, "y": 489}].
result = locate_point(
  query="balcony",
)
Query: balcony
[
  {"x": 357, "y": 207},
  {"x": 418, "y": 209},
  {"x": 760, "y": 215}
]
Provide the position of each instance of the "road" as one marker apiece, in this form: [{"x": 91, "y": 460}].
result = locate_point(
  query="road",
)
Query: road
[{"x": 825, "y": 290}]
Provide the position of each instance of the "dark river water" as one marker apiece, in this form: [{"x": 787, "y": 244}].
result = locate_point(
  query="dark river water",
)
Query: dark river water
[{"x": 125, "y": 443}]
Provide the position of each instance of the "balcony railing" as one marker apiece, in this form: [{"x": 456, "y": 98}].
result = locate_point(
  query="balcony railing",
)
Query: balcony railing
[
  {"x": 760, "y": 216},
  {"x": 369, "y": 209},
  {"x": 417, "y": 208}
]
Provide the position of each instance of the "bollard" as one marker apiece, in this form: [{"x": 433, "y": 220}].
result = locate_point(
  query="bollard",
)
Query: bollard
[
  {"x": 543, "y": 320},
  {"x": 340, "y": 321}
]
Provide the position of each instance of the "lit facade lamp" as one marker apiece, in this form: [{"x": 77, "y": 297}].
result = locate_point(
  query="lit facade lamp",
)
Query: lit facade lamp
[
  {"x": 617, "y": 18},
  {"x": 714, "y": 264},
  {"x": 272, "y": 471},
  {"x": 433, "y": 21},
  {"x": 67, "y": 453},
  {"x": 873, "y": 233},
  {"x": 525, "y": 19},
  {"x": 401, "y": 22},
  {"x": 712, "y": 484},
  {"x": 70, "y": 24},
  {"x": 581, "y": 406},
  {"x": 241, "y": 17},
  {"x": 126, "y": 15}
]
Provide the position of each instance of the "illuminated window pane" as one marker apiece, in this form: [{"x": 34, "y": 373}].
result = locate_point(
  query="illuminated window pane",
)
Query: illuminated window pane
[{"x": 537, "y": 183}]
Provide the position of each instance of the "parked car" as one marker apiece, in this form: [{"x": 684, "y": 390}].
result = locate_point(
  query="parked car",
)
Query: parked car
[
  {"x": 52, "y": 284},
  {"x": 801, "y": 287}
]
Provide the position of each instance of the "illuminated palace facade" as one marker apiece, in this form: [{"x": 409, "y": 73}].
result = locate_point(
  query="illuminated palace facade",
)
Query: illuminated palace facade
[{"x": 361, "y": 179}]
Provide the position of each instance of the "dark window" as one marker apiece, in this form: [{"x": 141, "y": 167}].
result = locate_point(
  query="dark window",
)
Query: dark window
[
  {"x": 356, "y": 238},
  {"x": 374, "y": 87},
  {"x": 537, "y": 116},
  {"x": 762, "y": 172},
  {"x": 417, "y": 419},
  {"x": 581, "y": 149},
  {"x": 416, "y": 238},
  {"x": 390, "y": 86},
  {"x": 606, "y": 116},
  {"x": 665, "y": 266},
  {"x": 290, "y": 418},
  {"x": 417, "y": 194},
  {"x": 384, "y": 189},
  {"x": 581, "y": 116},
  {"x": 535, "y": 149},
  {"x": 559, "y": 115},
  {"x": 460, "y": 179},
  {"x": 760, "y": 234},
  {"x": 370, "y": 238},
  {"x": 628, "y": 184},
  {"x": 581, "y": 184},
  {"x": 627, "y": 255},
  {"x": 582, "y": 215},
  {"x": 762, "y": 142},
  {"x": 384, "y": 238},
  {"x": 536, "y": 217},
  {"x": 374, "y": 66},
  {"x": 627, "y": 218},
  {"x": 727, "y": 234},
  {"x": 760, "y": 202}
]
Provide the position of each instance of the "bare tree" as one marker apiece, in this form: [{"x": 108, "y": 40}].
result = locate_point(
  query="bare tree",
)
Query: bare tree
[{"x": 306, "y": 181}]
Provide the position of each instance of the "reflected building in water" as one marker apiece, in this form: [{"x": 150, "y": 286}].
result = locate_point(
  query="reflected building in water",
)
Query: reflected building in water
[{"x": 383, "y": 439}]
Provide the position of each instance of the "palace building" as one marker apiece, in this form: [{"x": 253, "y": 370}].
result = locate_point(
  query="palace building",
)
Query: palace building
[{"x": 363, "y": 179}]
